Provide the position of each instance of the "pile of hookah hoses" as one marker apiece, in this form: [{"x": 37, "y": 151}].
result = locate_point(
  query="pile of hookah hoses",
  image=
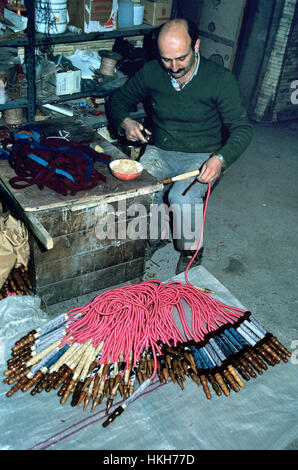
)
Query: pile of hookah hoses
[{"x": 128, "y": 335}]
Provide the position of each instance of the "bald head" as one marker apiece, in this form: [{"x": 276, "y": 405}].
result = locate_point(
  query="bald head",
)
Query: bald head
[
  {"x": 178, "y": 28},
  {"x": 172, "y": 33},
  {"x": 178, "y": 45},
  {"x": 173, "y": 25}
]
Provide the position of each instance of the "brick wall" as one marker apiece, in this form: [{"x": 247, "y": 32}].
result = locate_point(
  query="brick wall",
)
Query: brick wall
[
  {"x": 284, "y": 107},
  {"x": 274, "y": 98}
]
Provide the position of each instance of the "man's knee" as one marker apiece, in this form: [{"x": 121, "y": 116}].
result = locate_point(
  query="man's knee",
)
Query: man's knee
[
  {"x": 153, "y": 162},
  {"x": 194, "y": 195}
]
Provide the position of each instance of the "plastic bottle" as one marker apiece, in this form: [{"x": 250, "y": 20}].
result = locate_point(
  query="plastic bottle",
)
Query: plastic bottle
[{"x": 125, "y": 14}]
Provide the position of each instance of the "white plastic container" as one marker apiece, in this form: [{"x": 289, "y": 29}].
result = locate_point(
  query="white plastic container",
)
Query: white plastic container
[
  {"x": 51, "y": 16},
  {"x": 138, "y": 14},
  {"x": 125, "y": 14},
  {"x": 4, "y": 73}
]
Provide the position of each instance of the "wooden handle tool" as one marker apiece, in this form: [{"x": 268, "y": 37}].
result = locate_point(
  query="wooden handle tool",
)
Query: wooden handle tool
[{"x": 181, "y": 177}]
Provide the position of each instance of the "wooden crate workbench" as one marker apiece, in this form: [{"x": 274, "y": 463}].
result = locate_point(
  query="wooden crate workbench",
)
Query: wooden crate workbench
[{"x": 80, "y": 244}]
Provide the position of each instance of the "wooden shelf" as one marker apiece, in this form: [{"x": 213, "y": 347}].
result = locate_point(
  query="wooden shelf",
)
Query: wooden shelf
[{"x": 68, "y": 37}]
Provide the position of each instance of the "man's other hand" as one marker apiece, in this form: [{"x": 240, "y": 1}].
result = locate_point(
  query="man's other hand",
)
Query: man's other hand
[{"x": 135, "y": 131}]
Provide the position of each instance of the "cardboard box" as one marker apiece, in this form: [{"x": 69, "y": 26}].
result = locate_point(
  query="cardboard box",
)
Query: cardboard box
[
  {"x": 156, "y": 13},
  {"x": 68, "y": 82},
  {"x": 93, "y": 15}
]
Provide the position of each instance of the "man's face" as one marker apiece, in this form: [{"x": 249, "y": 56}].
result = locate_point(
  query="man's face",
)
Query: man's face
[{"x": 178, "y": 57}]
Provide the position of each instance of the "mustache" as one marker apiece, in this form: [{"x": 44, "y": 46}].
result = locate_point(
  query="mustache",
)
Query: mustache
[{"x": 177, "y": 71}]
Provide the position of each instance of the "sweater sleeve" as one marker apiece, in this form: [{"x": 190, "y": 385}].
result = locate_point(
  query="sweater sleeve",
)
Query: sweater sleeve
[
  {"x": 235, "y": 119},
  {"x": 130, "y": 94}
]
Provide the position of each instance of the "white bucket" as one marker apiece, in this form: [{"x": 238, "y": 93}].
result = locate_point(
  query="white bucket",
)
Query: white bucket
[
  {"x": 138, "y": 14},
  {"x": 51, "y": 16}
]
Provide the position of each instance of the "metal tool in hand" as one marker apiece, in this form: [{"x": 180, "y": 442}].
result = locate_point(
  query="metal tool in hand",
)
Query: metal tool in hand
[{"x": 146, "y": 136}]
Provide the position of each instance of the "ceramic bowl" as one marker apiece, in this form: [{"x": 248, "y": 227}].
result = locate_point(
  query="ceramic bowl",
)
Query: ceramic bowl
[{"x": 130, "y": 174}]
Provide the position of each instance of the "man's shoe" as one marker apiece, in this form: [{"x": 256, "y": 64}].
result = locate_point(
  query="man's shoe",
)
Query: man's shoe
[
  {"x": 153, "y": 246},
  {"x": 185, "y": 258}
]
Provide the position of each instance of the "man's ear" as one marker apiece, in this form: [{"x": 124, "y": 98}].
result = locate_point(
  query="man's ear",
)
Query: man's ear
[{"x": 197, "y": 46}]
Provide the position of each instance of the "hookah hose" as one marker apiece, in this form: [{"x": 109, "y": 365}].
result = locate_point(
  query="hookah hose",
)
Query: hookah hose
[
  {"x": 129, "y": 333},
  {"x": 202, "y": 233}
]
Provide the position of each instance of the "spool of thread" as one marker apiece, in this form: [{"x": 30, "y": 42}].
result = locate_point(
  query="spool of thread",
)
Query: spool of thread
[
  {"x": 13, "y": 117},
  {"x": 109, "y": 60}
]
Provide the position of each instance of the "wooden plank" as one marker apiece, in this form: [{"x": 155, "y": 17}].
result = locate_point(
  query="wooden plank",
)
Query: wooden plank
[
  {"x": 82, "y": 242},
  {"x": 65, "y": 221},
  {"x": 120, "y": 196},
  {"x": 28, "y": 219},
  {"x": 74, "y": 266},
  {"x": 91, "y": 282},
  {"x": 40, "y": 231}
]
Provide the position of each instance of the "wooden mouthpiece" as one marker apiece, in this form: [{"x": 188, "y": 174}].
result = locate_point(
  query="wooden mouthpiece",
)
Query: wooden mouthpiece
[
  {"x": 181, "y": 177},
  {"x": 118, "y": 411}
]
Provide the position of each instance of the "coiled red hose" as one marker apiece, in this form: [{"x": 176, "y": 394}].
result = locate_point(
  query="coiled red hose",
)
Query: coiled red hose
[{"x": 138, "y": 317}]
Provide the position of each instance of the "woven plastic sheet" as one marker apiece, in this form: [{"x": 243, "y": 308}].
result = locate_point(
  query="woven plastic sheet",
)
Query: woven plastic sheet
[{"x": 263, "y": 415}]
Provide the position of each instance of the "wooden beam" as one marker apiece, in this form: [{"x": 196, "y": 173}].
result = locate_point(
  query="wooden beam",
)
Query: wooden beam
[
  {"x": 39, "y": 231},
  {"x": 27, "y": 218}
]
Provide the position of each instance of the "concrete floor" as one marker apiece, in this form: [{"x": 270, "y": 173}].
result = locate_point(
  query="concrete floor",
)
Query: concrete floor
[{"x": 250, "y": 235}]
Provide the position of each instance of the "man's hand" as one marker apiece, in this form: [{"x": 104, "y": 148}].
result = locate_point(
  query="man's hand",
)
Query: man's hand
[
  {"x": 210, "y": 170},
  {"x": 134, "y": 130}
]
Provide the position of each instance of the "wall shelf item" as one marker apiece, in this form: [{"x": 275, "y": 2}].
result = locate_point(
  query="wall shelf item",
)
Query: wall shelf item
[{"x": 34, "y": 39}]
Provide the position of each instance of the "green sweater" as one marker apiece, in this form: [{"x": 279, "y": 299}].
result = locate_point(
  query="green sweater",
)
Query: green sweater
[{"x": 189, "y": 120}]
